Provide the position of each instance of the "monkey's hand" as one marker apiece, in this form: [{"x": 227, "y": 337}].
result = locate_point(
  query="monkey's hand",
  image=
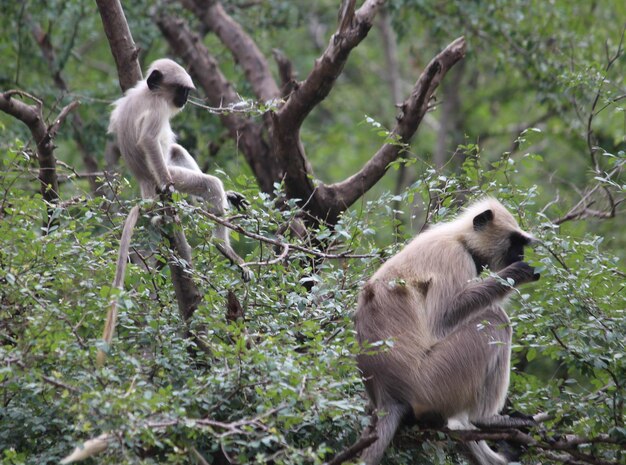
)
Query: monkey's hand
[
  {"x": 237, "y": 200},
  {"x": 167, "y": 190},
  {"x": 246, "y": 274},
  {"x": 520, "y": 273}
]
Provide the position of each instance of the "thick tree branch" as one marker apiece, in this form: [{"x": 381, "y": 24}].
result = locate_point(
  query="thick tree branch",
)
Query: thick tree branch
[
  {"x": 298, "y": 179},
  {"x": 243, "y": 48},
  {"x": 43, "y": 39},
  {"x": 343, "y": 194},
  {"x": 329, "y": 66},
  {"x": 123, "y": 47},
  {"x": 31, "y": 116},
  {"x": 205, "y": 71}
]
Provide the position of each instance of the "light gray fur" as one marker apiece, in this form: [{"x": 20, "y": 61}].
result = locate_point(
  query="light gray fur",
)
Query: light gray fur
[
  {"x": 451, "y": 337},
  {"x": 141, "y": 122}
]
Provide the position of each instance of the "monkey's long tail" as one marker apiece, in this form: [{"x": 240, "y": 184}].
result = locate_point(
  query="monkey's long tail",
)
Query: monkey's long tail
[
  {"x": 118, "y": 282},
  {"x": 386, "y": 427}
]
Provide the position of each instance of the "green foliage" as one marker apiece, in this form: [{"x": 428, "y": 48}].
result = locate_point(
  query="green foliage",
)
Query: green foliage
[{"x": 281, "y": 386}]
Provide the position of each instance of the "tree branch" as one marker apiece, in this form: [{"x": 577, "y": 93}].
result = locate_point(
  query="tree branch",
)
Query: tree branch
[
  {"x": 345, "y": 193},
  {"x": 542, "y": 443},
  {"x": 244, "y": 50},
  {"x": 329, "y": 66},
  {"x": 43, "y": 39},
  {"x": 123, "y": 47},
  {"x": 286, "y": 122},
  {"x": 31, "y": 116}
]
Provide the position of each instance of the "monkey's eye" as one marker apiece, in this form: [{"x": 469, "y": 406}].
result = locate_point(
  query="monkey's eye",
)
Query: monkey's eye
[{"x": 180, "y": 96}]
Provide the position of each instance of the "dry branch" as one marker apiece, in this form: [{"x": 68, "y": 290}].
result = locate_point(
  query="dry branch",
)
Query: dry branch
[
  {"x": 345, "y": 193},
  {"x": 245, "y": 52},
  {"x": 123, "y": 47},
  {"x": 43, "y": 40}
]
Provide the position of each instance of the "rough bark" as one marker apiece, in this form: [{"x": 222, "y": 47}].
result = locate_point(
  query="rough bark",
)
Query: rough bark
[
  {"x": 123, "y": 47},
  {"x": 287, "y": 121},
  {"x": 31, "y": 116}
]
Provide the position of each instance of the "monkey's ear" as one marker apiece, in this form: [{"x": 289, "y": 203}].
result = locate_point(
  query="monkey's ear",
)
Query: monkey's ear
[
  {"x": 155, "y": 79},
  {"x": 481, "y": 220}
]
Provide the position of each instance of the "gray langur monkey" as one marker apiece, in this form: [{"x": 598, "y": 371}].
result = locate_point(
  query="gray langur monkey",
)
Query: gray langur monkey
[
  {"x": 141, "y": 122},
  {"x": 451, "y": 337}
]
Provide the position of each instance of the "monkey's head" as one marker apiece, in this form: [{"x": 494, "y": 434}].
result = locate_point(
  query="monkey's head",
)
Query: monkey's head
[
  {"x": 492, "y": 236},
  {"x": 169, "y": 80}
]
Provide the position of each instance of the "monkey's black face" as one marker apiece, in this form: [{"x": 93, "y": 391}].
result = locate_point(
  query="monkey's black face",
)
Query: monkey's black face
[
  {"x": 515, "y": 253},
  {"x": 181, "y": 94}
]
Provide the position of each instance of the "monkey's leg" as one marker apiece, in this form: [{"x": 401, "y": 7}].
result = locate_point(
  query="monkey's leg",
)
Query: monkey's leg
[
  {"x": 385, "y": 429},
  {"x": 467, "y": 375},
  {"x": 211, "y": 190}
]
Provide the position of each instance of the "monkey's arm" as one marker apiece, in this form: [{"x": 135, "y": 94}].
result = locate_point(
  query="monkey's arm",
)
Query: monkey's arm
[
  {"x": 156, "y": 168},
  {"x": 477, "y": 296}
]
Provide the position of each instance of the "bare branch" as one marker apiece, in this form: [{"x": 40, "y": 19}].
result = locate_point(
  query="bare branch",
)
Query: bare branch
[
  {"x": 286, "y": 122},
  {"x": 329, "y": 66},
  {"x": 244, "y": 50},
  {"x": 414, "y": 108},
  {"x": 43, "y": 39},
  {"x": 31, "y": 116},
  {"x": 286, "y": 72},
  {"x": 123, "y": 47}
]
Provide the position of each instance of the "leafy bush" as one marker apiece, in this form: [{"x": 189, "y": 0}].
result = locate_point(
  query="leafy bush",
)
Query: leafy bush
[{"x": 281, "y": 384}]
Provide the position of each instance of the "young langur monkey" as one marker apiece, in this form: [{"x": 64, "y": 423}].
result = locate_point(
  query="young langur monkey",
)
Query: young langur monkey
[
  {"x": 141, "y": 122},
  {"x": 451, "y": 337}
]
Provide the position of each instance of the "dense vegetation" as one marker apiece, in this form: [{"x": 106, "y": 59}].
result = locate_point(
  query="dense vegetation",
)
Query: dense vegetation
[{"x": 264, "y": 371}]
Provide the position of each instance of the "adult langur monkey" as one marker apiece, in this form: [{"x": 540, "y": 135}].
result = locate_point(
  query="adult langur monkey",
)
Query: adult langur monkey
[
  {"x": 451, "y": 337},
  {"x": 141, "y": 122}
]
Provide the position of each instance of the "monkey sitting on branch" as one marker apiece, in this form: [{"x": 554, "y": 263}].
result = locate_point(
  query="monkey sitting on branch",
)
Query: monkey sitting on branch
[
  {"x": 141, "y": 122},
  {"x": 451, "y": 336}
]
